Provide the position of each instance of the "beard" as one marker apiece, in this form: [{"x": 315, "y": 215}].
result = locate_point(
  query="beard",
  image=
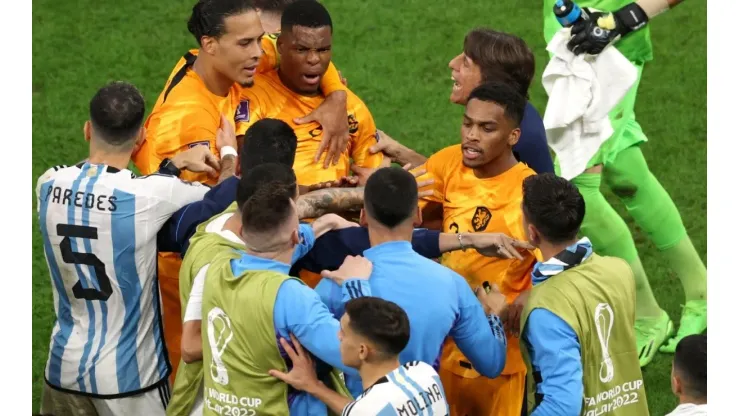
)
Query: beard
[{"x": 247, "y": 84}]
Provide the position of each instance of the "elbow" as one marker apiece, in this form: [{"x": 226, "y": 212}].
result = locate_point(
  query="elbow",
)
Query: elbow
[
  {"x": 494, "y": 369},
  {"x": 190, "y": 351}
]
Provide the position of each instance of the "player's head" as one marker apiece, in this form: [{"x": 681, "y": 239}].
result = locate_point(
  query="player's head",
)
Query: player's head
[
  {"x": 116, "y": 116},
  {"x": 270, "y": 221},
  {"x": 372, "y": 330},
  {"x": 268, "y": 141},
  {"x": 552, "y": 209},
  {"x": 304, "y": 45},
  {"x": 491, "y": 56},
  {"x": 490, "y": 125},
  {"x": 229, "y": 35},
  {"x": 270, "y": 12},
  {"x": 391, "y": 201},
  {"x": 272, "y": 175},
  {"x": 689, "y": 373}
]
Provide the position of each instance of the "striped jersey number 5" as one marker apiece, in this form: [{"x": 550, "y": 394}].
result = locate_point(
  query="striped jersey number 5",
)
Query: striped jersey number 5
[{"x": 73, "y": 257}]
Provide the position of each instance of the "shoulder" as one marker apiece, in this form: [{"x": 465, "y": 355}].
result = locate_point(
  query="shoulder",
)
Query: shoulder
[
  {"x": 156, "y": 183},
  {"x": 54, "y": 172},
  {"x": 372, "y": 401},
  {"x": 445, "y": 160}
]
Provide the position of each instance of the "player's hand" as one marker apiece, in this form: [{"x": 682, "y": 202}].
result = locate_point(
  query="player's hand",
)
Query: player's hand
[
  {"x": 514, "y": 313},
  {"x": 226, "y": 135},
  {"x": 332, "y": 116},
  {"x": 605, "y": 28},
  {"x": 364, "y": 174},
  {"x": 493, "y": 301},
  {"x": 354, "y": 267},
  {"x": 496, "y": 245},
  {"x": 343, "y": 182},
  {"x": 198, "y": 159},
  {"x": 341, "y": 78},
  {"x": 303, "y": 374},
  {"x": 386, "y": 145}
]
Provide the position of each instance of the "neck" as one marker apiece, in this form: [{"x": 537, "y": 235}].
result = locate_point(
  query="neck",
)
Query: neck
[
  {"x": 496, "y": 166},
  {"x": 371, "y": 373},
  {"x": 116, "y": 160},
  {"x": 685, "y": 399},
  {"x": 214, "y": 81},
  {"x": 282, "y": 256},
  {"x": 234, "y": 224},
  {"x": 379, "y": 234},
  {"x": 549, "y": 250}
]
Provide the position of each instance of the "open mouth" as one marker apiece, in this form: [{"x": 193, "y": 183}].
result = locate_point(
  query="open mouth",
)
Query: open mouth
[
  {"x": 471, "y": 152},
  {"x": 311, "y": 79},
  {"x": 456, "y": 86},
  {"x": 250, "y": 69}
]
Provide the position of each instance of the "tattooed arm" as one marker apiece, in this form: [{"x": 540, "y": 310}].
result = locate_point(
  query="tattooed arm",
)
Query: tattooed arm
[
  {"x": 228, "y": 168},
  {"x": 317, "y": 203}
]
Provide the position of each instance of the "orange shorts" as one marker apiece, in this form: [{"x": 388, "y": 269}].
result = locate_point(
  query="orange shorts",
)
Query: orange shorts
[
  {"x": 168, "y": 267},
  {"x": 483, "y": 396}
]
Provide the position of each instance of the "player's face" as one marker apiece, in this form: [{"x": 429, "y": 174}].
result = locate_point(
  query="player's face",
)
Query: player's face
[
  {"x": 239, "y": 49},
  {"x": 305, "y": 54},
  {"x": 466, "y": 76},
  {"x": 349, "y": 344},
  {"x": 487, "y": 134}
]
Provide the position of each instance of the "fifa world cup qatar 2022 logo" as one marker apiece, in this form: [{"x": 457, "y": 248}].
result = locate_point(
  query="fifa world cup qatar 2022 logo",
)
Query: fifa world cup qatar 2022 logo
[
  {"x": 604, "y": 318},
  {"x": 219, "y": 336}
]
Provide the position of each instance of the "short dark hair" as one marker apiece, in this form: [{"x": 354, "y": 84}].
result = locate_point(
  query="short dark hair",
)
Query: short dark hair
[
  {"x": 383, "y": 323},
  {"x": 691, "y": 363},
  {"x": 501, "y": 57},
  {"x": 279, "y": 177},
  {"x": 209, "y": 16},
  {"x": 266, "y": 210},
  {"x": 117, "y": 113},
  {"x": 504, "y": 95},
  {"x": 391, "y": 195},
  {"x": 306, "y": 13},
  {"x": 553, "y": 205},
  {"x": 274, "y": 6},
  {"x": 268, "y": 141}
]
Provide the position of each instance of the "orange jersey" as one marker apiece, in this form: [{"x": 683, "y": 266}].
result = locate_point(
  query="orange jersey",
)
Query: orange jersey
[
  {"x": 477, "y": 205},
  {"x": 269, "y": 98},
  {"x": 187, "y": 114}
]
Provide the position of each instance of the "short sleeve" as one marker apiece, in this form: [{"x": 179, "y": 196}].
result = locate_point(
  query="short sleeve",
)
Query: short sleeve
[{"x": 364, "y": 137}]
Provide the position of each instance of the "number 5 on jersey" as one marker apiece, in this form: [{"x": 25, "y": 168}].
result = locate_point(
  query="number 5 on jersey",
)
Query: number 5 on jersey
[{"x": 73, "y": 257}]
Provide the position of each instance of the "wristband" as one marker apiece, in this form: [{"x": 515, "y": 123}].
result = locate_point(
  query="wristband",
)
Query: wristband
[
  {"x": 459, "y": 240},
  {"x": 228, "y": 151},
  {"x": 632, "y": 16},
  {"x": 168, "y": 168}
]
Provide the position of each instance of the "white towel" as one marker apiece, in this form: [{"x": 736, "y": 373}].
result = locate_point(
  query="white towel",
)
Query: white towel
[{"x": 582, "y": 90}]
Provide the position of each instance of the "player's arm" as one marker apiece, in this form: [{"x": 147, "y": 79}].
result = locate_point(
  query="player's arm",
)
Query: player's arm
[
  {"x": 488, "y": 244},
  {"x": 191, "y": 343},
  {"x": 175, "y": 233},
  {"x": 614, "y": 25},
  {"x": 556, "y": 354},
  {"x": 363, "y": 139},
  {"x": 431, "y": 205},
  {"x": 479, "y": 335},
  {"x": 323, "y": 201},
  {"x": 397, "y": 152}
]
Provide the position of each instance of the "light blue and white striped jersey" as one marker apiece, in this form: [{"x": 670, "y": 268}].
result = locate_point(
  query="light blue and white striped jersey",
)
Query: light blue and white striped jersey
[
  {"x": 99, "y": 227},
  {"x": 412, "y": 389}
]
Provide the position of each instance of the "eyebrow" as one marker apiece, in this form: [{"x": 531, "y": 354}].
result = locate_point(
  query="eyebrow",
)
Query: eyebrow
[{"x": 479, "y": 121}]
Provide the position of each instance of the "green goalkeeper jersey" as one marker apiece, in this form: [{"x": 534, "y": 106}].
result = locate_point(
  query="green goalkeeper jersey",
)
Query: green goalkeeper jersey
[{"x": 635, "y": 46}]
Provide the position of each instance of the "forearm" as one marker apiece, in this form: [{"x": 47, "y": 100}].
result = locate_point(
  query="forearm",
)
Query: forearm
[
  {"x": 335, "y": 401},
  {"x": 191, "y": 344},
  {"x": 404, "y": 156},
  {"x": 655, "y": 7},
  {"x": 317, "y": 203},
  {"x": 485, "y": 346},
  {"x": 451, "y": 242},
  {"x": 228, "y": 168},
  {"x": 323, "y": 225}
]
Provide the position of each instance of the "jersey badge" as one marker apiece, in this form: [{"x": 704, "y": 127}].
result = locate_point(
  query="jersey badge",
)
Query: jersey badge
[
  {"x": 242, "y": 112},
  {"x": 354, "y": 125},
  {"x": 200, "y": 143},
  {"x": 481, "y": 218}
]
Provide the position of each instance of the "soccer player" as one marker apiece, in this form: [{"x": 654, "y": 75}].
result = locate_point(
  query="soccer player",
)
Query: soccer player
[
  {"x": 293, "y": 89},
  {"x": 249, "y": 301},
  {"x": 222, "y": 233},
  {"x": 621, "y": 164},
  {"x": 99, "y": 226},
  {"x": 271, "y": 11},
  {"x": 438, "y": 300},
  {"x": 490, "y": 56},
  {"x": 204, "y": 85},
  {"x": 689, "y": 376},
  {"x": 577, "y": 324},
  {"x": 478, "y": 188},
  {"x": 373, "y": 333}
]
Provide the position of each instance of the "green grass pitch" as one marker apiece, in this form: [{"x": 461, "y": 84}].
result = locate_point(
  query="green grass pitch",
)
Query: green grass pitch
[{"x": 395, "y": 56}]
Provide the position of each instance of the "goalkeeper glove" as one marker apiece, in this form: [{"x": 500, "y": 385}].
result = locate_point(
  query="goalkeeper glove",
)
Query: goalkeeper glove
[{"x": 601, "y": 29}]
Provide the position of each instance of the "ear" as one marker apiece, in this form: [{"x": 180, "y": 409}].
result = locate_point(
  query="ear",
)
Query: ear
[
  {"x": 363, "y": 218},
  {"x": 364, "y": 352},
  {"x": 514, "y": 137},
  {"x": 279, "y": 43},
  {"x": 295, "y": 238},
  {"x": 417, "y": 218},
  {"x": 209, "y": 45},
  {"x": 139, "y": 140},
  {"x": 533, "y": 235},
  {"x": 87, "y": 130}
]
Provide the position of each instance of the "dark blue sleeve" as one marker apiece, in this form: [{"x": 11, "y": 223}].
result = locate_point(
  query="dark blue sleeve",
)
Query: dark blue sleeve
[
  {"x": 330, "y": 249},
  {"x": 532, "y": 148},
  {"x": 174, "y": 237}
]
